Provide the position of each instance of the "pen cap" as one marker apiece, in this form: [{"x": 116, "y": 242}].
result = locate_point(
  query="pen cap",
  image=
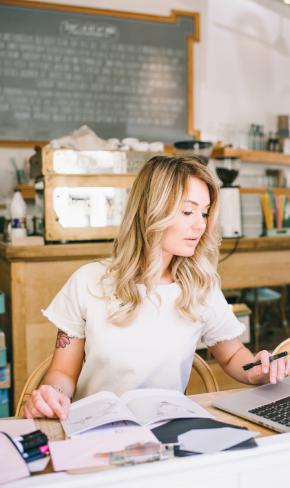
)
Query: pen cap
[
  {"x": 31, "y": 443},
  {"x": 34, "y": 433},
  {"x": 33, "y": 440}
]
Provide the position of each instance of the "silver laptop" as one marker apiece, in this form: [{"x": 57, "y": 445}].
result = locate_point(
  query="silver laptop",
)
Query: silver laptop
[{"x": 268, "y": 405}]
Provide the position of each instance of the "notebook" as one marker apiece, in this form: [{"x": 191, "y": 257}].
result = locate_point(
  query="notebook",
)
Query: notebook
[{"x": 268, "y": 405}]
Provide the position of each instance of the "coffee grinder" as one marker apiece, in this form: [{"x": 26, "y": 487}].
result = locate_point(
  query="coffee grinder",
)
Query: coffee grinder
[{"x": 227, "y": 169}]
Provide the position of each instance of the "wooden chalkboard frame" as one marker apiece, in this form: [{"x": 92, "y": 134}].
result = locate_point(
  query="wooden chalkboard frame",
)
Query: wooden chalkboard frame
[{"x": 172, "y": 18}]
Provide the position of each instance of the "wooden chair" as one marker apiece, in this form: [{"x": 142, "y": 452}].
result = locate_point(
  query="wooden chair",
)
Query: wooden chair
[
  {"x": 201, "y": 374},
  {"x": 31, "y": 384},
  {"x": 200, "y": 371},
  {"x": 283, "y": 346}
]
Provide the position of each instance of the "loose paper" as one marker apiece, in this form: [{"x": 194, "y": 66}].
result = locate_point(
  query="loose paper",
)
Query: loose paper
[
  {"x": 12, "y": 464},
  {"x": 213, "y": 440},
  {"x": 15, "y": 427},
  {"x": 86, "y": 450}
]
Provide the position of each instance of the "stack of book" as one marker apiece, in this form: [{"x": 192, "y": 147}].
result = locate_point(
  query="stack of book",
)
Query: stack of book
[{"x": 5, "y": 378}]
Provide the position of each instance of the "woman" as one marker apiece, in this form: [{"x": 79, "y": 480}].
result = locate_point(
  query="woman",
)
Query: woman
[{"x": 134, "y": 321}]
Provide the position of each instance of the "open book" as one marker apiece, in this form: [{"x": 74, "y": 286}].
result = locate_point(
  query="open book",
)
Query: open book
[{"x": 142, "y": 407}]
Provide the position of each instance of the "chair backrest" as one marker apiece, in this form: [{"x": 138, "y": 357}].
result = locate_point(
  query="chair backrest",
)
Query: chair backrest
[
  {"x": 283, "y": 346},
  {"x": 201, "y": 374},
  {"x": 31, "y": 384}
]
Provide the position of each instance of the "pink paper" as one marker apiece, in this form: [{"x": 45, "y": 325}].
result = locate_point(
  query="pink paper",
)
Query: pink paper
[
  {"x": 12, "y": 465},
  {"x": 15, "y": 427},
  {"x": 84, "y": 451}
]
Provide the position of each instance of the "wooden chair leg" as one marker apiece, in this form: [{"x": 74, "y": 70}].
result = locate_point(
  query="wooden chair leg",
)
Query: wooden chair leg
[
  {"x": 282, "y": 304},
  {"x": 208, "y": 355},
  {"x": 257, "y": 325}
]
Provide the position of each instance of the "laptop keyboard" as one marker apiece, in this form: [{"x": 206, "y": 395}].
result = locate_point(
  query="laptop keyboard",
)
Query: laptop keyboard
[{"x": 278, "y": 411}]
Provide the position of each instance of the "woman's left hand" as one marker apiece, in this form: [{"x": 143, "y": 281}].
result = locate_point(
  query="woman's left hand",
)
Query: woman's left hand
[{"x": 268, "y": 372}]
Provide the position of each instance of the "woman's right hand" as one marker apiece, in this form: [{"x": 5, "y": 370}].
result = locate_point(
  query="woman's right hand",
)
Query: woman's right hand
[{"x": 47, "y": 401}]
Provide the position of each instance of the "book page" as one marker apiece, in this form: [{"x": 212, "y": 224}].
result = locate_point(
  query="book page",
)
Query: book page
[
  {"x": 96, "y": 410},
  {"x": 156, "y": 405}
]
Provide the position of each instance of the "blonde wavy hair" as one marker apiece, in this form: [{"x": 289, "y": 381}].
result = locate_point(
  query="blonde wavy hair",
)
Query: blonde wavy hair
[{"x": 154, "y": 201}]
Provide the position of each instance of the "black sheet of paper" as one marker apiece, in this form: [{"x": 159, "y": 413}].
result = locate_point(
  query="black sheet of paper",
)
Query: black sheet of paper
[{"x": 169, "y": 432}]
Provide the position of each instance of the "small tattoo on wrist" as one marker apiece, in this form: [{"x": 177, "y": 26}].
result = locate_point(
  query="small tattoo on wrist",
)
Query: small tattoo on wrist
[{"x": 60, "y": 390}]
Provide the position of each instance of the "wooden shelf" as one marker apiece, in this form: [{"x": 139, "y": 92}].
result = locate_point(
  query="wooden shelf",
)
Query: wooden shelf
[
  {"x": 277, "y": 191},
  {"x": 87, "y": 251},
  {"x": 263, "y": 157},
  {"x": 27, "y": 191},
  {"x": 251, "y": 244}
]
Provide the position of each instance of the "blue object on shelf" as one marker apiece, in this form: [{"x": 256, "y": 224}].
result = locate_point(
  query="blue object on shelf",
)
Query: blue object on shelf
[
  {"x": 2, "y": 303},
  {"x": 3, "y": 357},
  {"x": 4, "y": 402},
  {"x": 5, "y": 376}
]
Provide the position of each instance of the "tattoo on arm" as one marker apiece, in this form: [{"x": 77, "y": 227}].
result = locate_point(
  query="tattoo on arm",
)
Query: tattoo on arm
[{"x": 62, "y": 339}]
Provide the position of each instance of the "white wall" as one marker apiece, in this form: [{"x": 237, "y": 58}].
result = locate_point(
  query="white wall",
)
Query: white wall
[
  {"x": 242, "y": 64},
  {"x": 246, "y": 77}
]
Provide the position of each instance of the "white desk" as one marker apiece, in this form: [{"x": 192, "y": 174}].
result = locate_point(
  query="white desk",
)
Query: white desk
[{"x": 265, "y": 466}]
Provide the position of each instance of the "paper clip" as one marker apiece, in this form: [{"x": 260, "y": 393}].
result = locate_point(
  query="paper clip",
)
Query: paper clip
[{"x": 142, "y": 453}]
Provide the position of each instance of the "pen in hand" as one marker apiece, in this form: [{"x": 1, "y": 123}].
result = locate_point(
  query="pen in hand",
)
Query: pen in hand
[{"x": 259, "y": 362}]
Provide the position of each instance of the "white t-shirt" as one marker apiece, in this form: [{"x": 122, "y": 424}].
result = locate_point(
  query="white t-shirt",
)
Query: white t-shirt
[{"x": 155, "y": 351}]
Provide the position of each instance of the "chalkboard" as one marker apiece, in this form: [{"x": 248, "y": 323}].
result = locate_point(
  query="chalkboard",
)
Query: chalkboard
[{"x": 122, "y": 74}]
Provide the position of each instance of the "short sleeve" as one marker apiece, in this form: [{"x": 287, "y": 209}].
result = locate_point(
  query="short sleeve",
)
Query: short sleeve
[
  {"x": 67, "y": 311},
  {"x": 220, "y": 322}
]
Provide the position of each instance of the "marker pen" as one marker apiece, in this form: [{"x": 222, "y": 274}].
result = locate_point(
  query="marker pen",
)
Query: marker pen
[
  {"x": 248, "y": 366},
  {"x": 33, "y": 434},
  {"x": 33, "y": 452},
  {"x": 40, "y": 455},
  {"x": 32, "y": 444}
]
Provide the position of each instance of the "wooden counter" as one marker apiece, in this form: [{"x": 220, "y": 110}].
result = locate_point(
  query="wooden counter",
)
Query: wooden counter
[
  {"x": 264, "y": 261},
  {"x": 31, "y": 276}
]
